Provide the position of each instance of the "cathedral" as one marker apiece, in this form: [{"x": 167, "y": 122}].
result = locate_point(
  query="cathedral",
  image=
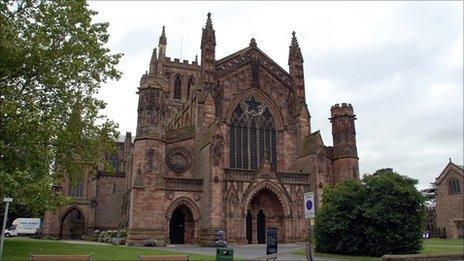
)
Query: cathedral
[{"x": 221, "y": 144}]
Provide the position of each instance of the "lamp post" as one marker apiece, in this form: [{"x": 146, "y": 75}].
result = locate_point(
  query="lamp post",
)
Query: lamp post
[{"x": 5, "y": 217}]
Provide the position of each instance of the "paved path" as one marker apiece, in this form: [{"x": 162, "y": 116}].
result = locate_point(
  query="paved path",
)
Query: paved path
[{"x": 247, "y": 252}]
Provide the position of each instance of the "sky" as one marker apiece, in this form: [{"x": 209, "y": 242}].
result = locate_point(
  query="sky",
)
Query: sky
[{"x": 400, "y": 64}]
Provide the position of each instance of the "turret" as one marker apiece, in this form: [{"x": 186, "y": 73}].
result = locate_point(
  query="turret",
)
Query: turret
[
  {"x": 295, "y": 63},
  {"x": 208, "y": 53},
  {"x": 345, "y": 153}
]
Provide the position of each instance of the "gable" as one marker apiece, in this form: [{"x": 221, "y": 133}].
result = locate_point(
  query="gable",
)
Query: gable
[
  {"x": 253, "y": 56},
  {"x": 311, "y": 143},
  {"x": 451, "y": 168}
]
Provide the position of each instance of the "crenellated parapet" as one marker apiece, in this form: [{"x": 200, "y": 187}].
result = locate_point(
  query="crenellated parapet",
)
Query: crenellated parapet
[{"x": 343, "y": 109}]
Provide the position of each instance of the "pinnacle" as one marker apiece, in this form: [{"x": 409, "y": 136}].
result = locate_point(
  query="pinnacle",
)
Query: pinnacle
[
  {"x": 162, "y": 39},
  {"x": 294, "y": 41},
  {"x": 209, "y": 23},
  {"x": 253, "y": 42},
  {"x": 295, "y": 51},
  {"x": 208, "y": 34}
]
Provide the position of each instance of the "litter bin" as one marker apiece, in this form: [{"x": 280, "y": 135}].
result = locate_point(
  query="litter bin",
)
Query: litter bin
[{"x": 224, "y": 254}]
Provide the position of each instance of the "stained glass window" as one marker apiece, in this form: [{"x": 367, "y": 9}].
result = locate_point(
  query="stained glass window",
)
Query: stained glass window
[{"x": 252, "y": 135}]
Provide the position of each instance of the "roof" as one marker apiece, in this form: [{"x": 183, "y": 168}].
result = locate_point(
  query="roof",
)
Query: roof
[
  {"x": 310, "y": 143},
  {"x": 458, "y": 169}
]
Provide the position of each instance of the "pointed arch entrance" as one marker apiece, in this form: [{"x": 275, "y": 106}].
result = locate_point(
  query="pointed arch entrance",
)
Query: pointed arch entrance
[
  {"x": 181, "y": 226},
  {"x": 183, "y": 218},
  {"x": 264, "y": 210},
  {"x": 72, "y": 224}
]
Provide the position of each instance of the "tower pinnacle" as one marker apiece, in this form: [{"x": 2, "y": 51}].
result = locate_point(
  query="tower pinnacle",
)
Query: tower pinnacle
[
  {"x": 162, "y": 39},
  {"x": 295, "y": 51},
  {"x": 208, "y": 35}
]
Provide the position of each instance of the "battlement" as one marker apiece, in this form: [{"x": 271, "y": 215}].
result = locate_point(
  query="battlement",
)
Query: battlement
[
  {"x": 177, "y": 61},
  {"x": 343, "y": 109}
]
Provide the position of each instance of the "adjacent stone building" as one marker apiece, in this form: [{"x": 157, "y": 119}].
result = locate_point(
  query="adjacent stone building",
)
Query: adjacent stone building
[
  {"x": 224, "y": 144},
  {"x": 450, "y": 201}
]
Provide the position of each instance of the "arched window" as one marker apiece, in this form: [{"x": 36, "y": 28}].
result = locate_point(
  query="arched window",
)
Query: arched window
[
  {"x": 252, "y": 135},
  {"x": 76, "y": 189},
  {"x": 177, "y": 88},
  {"x": 454, "y": 186},
  {"x": 189, "y": 85}
]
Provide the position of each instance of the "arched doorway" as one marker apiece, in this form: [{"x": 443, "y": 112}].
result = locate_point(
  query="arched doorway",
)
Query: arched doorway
[
  {"x": 72, "y": 224},
  {"x": 264, "y": 210},
  {"x": 181, "y": 226},
  {"x": 261, "y": 227},
  {"x": 249, "y": 229}
]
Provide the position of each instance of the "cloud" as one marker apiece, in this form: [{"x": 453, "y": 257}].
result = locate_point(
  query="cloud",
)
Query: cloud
[{"x": 398, "y": 63}]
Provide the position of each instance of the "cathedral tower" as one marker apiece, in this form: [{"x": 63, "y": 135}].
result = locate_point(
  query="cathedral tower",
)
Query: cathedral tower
[
  {"x": 149, "y": 154},
  {"x": 345, "y": 155}
]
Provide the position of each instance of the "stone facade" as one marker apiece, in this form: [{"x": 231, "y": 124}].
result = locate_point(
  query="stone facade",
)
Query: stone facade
[
  {"x": 450, "y": 201},
  {"x": 224, "y": 144},
  {"x": 98, "y": 200}
]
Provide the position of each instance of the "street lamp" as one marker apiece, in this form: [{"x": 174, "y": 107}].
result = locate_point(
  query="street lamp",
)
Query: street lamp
[{"x": 5, "y": 217}]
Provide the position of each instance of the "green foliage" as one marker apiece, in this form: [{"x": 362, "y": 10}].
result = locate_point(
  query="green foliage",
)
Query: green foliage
[
  {"x": 383, "y": 213},
  {"x": 52, "y": 62},
  {"x": 430, "y": 193}
]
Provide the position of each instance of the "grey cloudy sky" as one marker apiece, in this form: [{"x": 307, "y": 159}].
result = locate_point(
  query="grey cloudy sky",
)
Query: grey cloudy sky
[{"x": 399, "y": 63}]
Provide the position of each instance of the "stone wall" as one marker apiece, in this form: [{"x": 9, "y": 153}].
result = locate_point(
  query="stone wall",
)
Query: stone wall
[
  {"x": 110, "y": 192},
  {"x": 450, "y": 207}
]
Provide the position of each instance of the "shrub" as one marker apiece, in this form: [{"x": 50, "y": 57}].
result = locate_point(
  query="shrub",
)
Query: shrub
[
  {"x": 95, "y": 235},
  {"x": 122, "y": 233},
  {"x": 150, "y": 242},
  {"x": 38, "y": 234},
  {"x": 381, "y": 214}
]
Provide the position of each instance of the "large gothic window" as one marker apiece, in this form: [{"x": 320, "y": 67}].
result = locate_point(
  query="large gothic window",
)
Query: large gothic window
[
  {"x": 252, "y": 135},
  {"x": 177, "y": 88}
]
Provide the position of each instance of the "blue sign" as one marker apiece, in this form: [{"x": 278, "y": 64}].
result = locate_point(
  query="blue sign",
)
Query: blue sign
[{"x": 309, "y": 205}]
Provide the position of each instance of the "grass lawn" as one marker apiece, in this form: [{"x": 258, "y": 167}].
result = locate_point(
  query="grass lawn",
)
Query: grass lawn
[
  {"x": 20, "y": 249},
  {"x": 430, "y": 246}
]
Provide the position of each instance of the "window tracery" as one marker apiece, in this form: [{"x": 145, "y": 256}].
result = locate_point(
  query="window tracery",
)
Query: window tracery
[{"x": 252, "y": 135}]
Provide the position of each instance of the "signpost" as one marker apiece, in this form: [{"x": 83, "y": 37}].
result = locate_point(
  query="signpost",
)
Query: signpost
[
  {"x": 271, "y": 241},
  {"x": 310, "y": 213},
  {"x": 5, "y": 217}
]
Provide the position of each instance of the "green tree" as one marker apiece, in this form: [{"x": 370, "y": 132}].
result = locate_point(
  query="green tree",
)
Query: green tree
[
  {"x": 53, "y": 60},
  {"x": 430, "y": 193},
  {"x": 383, "y": 213}
]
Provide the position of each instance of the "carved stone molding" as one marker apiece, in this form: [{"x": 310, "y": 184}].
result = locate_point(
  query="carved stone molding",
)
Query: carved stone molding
[
  {"x": 178, "y": 160},
  {"x": 170, "y": 195},
  {"x": 217, "y": 144},
  {"x": 196, "y": 196}
]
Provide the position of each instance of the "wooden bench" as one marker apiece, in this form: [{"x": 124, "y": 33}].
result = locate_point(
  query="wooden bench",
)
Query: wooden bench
[
  {"x": 60, "y": 258},
  {"x": 163, "y": 258}
]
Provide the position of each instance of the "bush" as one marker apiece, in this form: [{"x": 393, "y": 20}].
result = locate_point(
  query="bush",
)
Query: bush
[
  {"x": 149, "y": 242},
  {"x": 381, "y": 214},
  {"x": 95, "y": 235},
  {"x": 38, "y": 234}
]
